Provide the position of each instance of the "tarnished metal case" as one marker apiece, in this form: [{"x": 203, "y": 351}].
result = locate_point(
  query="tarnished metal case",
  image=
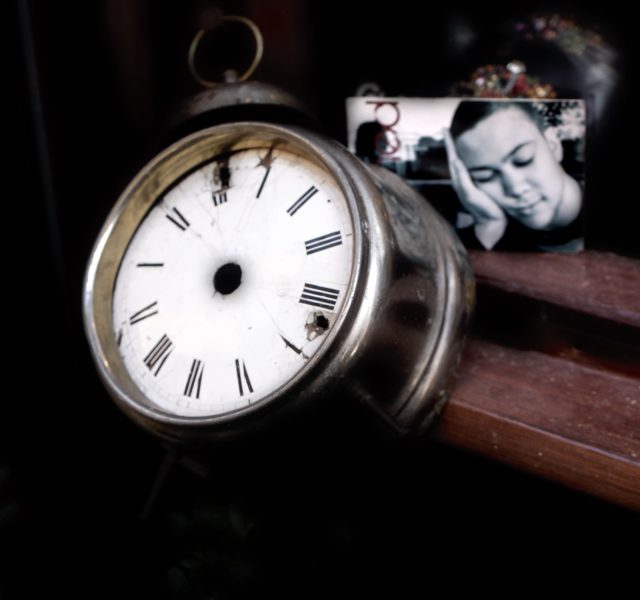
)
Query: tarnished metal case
[{"x": 397, "y": 338}]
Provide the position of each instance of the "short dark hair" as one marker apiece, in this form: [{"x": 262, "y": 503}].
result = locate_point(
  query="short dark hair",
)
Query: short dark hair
[{"x": 470, "y": 112}]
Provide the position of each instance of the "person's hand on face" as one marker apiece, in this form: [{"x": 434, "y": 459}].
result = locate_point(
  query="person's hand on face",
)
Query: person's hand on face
[{"x": 490, "y": 219}]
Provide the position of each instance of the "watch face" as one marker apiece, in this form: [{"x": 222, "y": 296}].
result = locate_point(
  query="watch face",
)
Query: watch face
[{"x": 233, "y": 280}]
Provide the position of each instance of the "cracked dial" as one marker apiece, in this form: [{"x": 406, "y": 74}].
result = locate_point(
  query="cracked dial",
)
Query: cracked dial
[{"x": 233, "y": 280}]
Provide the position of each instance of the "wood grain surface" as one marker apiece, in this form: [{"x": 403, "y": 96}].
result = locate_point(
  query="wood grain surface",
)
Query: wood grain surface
[
  {"x": 550, "y": 379},
  {"x": 598, "y": 284}
]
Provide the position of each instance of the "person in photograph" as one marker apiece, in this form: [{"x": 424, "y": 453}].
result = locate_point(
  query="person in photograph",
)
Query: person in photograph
[{"x": 506, "y": 169}]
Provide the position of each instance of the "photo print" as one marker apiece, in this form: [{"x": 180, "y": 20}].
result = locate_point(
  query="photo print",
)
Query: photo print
[{"x": 508, "y": 174}]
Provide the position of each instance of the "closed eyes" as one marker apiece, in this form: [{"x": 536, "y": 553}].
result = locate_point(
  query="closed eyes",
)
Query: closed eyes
[
  {"x": 483, "y": 175},
  {"x": 523, "y": 156}
]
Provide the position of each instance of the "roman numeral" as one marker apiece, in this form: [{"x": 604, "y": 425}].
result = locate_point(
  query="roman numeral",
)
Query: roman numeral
[
  {"x": 219, "y": 198},
  {"x": 316, "y": 295},
  {"x": 242, "y": 374},
  {"x": 144, "y": 313},
  {"x": 323, "y": 242},
  {"x": 150, "y": 265},
  {"x": 300, "y": 202},
  {"x": 159, "y": 354},
  {"x": 194, "y": 381},
  {"x": 178, "y": 219},
  {"x": 264, "y": 180}
]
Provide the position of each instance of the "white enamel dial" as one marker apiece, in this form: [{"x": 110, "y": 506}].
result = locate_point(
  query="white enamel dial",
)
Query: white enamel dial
[{"x": 233, "y": 281}]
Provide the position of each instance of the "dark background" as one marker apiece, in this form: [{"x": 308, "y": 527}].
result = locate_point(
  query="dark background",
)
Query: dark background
[{"x": 91, "y": 87}]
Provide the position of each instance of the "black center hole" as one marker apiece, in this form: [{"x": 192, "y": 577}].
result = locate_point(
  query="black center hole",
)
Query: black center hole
[{"x": 227, "y": 278}]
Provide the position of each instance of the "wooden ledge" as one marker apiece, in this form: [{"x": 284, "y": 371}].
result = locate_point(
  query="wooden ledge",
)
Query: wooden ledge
[
  {"x": 597, "y": 284},
  {"x": 550, "y": 380}
]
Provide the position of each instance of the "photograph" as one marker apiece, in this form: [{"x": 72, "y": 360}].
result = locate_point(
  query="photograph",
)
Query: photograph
[{"x": 508, "y": 174}]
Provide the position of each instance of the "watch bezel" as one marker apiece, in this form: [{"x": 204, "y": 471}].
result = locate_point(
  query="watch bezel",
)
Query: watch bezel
[{"x": 151, "y": 183}]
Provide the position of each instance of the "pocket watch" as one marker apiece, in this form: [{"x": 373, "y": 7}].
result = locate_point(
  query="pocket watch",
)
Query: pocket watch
[
  {"x": 252, "y": 268},
  {"x": 255, "y": 270}
]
